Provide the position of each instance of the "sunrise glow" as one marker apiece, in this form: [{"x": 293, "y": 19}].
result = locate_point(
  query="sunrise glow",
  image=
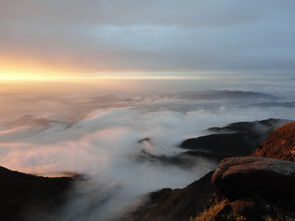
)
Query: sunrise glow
[
  {"x": 30, "y": 77},
  {"x": 43, "y": 76}
]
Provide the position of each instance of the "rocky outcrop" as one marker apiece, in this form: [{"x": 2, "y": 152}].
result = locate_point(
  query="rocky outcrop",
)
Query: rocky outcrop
[
  {"x": 175, "y": 205},
  {"x": 237, "y": 139},
  {"x": 23, "y": 196},
  {"x": 242, "y": 188},
  {"x": 280, "y": 144},
  {"x": 246, "y": 177},
  {"x": 255, "y": 187}
]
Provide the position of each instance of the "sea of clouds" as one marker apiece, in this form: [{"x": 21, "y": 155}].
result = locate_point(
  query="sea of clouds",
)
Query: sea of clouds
[{"x": 100, "y": 136}]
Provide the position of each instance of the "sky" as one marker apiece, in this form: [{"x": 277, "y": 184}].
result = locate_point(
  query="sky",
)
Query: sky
[{"x": 41, "y": 39}]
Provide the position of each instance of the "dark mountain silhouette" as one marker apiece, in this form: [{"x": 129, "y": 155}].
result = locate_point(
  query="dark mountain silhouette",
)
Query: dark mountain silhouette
[
  {"x": 237, "y": 139},
  {"x": 288, "y": 104},
  {"x": 23, "y": 194},
  {"x": 176, "y": 204},
  {"x": 224, "y": 94}
]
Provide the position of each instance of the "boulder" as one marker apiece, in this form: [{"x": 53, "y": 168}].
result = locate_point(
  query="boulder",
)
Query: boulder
[{"x": 255, "y": 177}]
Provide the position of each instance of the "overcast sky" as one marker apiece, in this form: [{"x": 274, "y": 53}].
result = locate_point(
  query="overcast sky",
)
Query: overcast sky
[{"x": 91, "y": 36}]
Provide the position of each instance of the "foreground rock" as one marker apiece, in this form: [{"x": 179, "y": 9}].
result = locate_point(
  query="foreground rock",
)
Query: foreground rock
[
  {"x": 175, "y": 205},
  {"x": 24, "y": 196},
  {"x": 255, "y": 187},
  {"x": 280, "y": 144},
  {"x": 247, "y": 177}
]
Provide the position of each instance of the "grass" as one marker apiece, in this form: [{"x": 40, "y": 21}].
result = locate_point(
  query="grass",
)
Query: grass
[
  {"x": 268, "y": 218},
  {"x": 210, "y": 213}
]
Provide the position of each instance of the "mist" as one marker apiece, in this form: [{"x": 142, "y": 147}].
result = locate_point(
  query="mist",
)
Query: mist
[{"x": 104, "y": 135}]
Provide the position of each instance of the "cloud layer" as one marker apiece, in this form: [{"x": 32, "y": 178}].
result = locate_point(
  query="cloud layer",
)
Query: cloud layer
[
  {"x": 164, "y": 35},
  {"x": 101, "y": 139}
]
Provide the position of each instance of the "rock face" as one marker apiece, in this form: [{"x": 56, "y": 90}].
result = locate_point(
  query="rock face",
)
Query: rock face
[
  {"x": 251, "y": 177},
  {"x": 257, "y": 188},
  {"x": 23, "y": 195},
  {"x": 175, "y": 205},
  {"x": 280, "y": 144},
  {"x": 237, "y": 139}
]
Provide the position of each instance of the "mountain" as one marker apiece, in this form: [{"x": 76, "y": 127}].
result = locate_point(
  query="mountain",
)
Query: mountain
[
  {"x": 252, "y": 188},
  {"x": 288, "y": 104},
  {"x": 224, "y": 94},
  {"x": 260, "y": 187},
  {"x": 176, "y": 204},
  {"x": 236, "y": 139},
  {"x": 240, "y": 189},
  {"x": 24, "y": 195}
]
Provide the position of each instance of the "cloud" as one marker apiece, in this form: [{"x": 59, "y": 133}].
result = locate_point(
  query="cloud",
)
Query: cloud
[
  {"x": 93, "y": 36},
  {"x": 102, "y": 142}
]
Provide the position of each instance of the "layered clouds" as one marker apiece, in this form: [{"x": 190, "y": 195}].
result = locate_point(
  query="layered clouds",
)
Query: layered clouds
[
  {"x": 198, "y": 36},
  {"x": 120, "y": 145}
]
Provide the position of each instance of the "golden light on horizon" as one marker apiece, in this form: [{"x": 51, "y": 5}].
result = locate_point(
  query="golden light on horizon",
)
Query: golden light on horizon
[
  {"x": 26, "y": 69},
  {"x": 33, "y": 75},
  {"x": 20, "y": 70},
  {"x": 17, "y": 76}
]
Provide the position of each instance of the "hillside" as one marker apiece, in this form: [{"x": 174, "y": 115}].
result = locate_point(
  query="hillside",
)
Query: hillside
[
  {"x": 244, "y": 188},
  {"x": 251, "y": 188},
  {"x": 258, "y": 187},
  {"x": 280, "y": 144},
  {"x": 176, "y": 204},
  {"x": 236, "y": 139},
  {"x": 24, "y": 196}
]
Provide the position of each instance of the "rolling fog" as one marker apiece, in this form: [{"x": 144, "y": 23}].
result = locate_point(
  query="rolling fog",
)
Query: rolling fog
[{"x": 95, "y": 129}]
